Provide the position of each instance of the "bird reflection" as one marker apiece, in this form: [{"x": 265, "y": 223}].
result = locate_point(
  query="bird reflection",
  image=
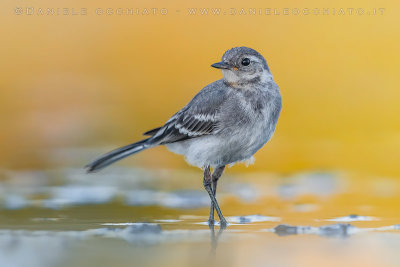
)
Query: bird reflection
[{"x": 214, "y": 238}]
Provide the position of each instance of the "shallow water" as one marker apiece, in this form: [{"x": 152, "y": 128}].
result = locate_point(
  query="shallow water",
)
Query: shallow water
[{"x": 138, "y": 217}]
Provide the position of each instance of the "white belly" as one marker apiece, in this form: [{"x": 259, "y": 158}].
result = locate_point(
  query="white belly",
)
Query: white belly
[{"x": 220, "y": 150}]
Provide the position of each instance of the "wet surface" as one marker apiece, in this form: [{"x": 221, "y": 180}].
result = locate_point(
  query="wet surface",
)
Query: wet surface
[{"x": 137, "y": 217}]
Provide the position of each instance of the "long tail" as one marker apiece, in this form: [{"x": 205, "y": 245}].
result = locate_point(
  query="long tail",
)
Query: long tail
[{"x": 117, "y": 154}]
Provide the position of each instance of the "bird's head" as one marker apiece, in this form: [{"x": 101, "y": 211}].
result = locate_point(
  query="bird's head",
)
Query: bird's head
[{"x": 243, "y": 66}]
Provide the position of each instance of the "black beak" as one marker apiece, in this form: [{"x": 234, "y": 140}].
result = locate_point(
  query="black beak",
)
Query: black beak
[{"x": 221, "y": 65}]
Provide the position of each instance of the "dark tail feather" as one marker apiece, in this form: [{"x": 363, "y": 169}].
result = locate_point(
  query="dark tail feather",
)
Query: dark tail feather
[{"x": 117, "y": 154}]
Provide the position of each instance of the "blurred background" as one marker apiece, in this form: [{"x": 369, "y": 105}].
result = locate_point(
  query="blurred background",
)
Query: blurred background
[
  {"x": 92, "y": 77},
  {"x": 84, "y": 81}
]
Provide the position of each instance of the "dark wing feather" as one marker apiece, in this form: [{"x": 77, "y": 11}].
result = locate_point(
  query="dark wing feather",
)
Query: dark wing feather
[
  {"x": 200, "y": 117},
  {"x": 152, "y": 131},
  {"x": 186, "y": 126}
]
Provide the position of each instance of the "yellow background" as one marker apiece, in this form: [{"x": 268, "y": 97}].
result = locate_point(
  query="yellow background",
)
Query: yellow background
[{"x": 101, "y": 81}]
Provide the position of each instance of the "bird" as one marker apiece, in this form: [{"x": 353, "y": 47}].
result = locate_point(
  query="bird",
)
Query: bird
[{"x": 227, "y": 122}]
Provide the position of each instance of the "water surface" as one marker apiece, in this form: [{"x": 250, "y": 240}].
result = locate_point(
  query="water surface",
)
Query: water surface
[{"x": 139, "y": 217}]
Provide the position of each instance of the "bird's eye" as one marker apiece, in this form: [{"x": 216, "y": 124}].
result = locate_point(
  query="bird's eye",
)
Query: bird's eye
[{"x": 245, "y": 61}]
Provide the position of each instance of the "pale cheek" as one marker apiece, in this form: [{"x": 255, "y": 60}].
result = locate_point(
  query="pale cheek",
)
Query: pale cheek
[{"x": 230, "y": 76}]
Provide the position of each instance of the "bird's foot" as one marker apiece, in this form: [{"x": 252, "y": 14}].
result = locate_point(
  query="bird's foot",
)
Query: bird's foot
[
  {"x": 211, "y": 222},
  {"x": 223, "y": 224}
]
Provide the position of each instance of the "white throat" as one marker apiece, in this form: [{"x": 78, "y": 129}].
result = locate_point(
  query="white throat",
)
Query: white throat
[{"x": 234, "y": 77}]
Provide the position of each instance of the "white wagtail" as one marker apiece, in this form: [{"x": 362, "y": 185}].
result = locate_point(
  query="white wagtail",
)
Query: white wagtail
[{"x": 226, "y": 122}]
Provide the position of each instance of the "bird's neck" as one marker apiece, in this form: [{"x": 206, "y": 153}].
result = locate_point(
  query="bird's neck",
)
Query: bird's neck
[{"x": 249, "y": 82}]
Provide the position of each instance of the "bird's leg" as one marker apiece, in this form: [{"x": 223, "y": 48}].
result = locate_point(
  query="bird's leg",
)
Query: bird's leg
[
  {"x": 207, "y": 180},
  {"x": 215, "y": 176}
]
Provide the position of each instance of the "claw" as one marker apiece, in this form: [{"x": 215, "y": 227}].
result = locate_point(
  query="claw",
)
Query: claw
[
  {"x": 211, "y": 222},
  {"x": 223, "y": 224}
]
